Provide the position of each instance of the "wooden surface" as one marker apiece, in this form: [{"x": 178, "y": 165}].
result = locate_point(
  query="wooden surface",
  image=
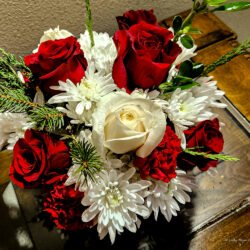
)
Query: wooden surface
[
  {"x": 5, "y": 161},
  {"x": 211, "y": 27},
  {"x": 233, "y": 77},
  {"x": 218, "y": 216}
]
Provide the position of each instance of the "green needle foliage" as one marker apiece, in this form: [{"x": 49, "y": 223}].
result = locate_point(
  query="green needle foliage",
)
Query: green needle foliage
[
  {"x": 14, "y": 100},
  {"x": 211, "y": 156},
  {"x": 241, "y": 49},
  {"x": 85, "y": 156},
  {"x": 9, "y": 65},
  {"x": 47, "y": 118}
]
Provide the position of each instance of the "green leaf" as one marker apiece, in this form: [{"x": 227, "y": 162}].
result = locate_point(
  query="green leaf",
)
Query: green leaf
[
  {"x": 191, "y": 30},
  {"x": 237, "y": 6},
  {"x": 187, "y": 41},
  {"x": 215, "y": 2},
  {"x": 198, "y": 69},
  {"x": 177, "y": 22},
  {"x": 186, "y": 68}
]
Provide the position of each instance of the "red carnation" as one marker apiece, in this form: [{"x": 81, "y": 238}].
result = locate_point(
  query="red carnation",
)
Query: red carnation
[
  {"x": 63, "y": 204},
  {"x": 145, "y": 54},
  {"x": 205, "y": 137},
  {"x": 38, "y": 159},
  {"x": 57, "y": 60},
  {"x": 132, "y": 17},
  {"x": 161, "y": 163}
]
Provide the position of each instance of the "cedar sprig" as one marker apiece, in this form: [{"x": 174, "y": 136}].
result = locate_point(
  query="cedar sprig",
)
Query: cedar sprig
[
  {"x": 222, "y": 157},
  {"x": 85, "y": 156}
]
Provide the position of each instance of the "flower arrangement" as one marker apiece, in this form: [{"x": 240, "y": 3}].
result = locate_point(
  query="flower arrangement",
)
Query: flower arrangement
[{"x": 106, "y": 126}]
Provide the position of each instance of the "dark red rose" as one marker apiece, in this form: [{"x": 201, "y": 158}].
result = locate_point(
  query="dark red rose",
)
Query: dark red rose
[
  {"x": 132, "y": 17},
  {"x": 57, "y": 60},
  {"x": 145, "y": 54},
  {"x": 161, "y": 163},
  {"x": 38, "y": 159},
  {"x": 63, "y": 204},
  {"x": 207, "y": 137}
]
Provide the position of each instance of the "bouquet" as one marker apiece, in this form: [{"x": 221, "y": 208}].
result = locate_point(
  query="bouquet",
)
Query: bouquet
[{"x": 109, "y": 128}]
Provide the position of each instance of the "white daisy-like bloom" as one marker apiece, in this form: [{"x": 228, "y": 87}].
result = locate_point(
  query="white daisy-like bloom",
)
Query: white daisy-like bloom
[
  {"x": 103, "y": 54},
  {"x": 115, "y": 202},
  {"x": 12, "y": 128},
  {"x": 70, "y": 111},
  {"x": 53, "y": 34},
  {"x": 164, "y": 197},
  {"x": 208, "y": 87},
  {"x": 184, "y": 110},
  {"x": 86, "y": 93}
]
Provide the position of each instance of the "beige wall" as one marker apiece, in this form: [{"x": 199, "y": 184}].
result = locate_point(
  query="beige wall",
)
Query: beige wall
[{"x": 23, "y": 21}]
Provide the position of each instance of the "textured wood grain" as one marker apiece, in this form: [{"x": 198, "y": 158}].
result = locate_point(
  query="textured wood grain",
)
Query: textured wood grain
[
  {"x": 232, "y": 233},
  {"x": 5, "y": 161},
  {"x": 211, "y": 27},
  {"x": 233, "y": 77}
]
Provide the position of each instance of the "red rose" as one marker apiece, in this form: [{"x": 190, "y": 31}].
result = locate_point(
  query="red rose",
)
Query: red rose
[
  {"x": 38, "y": 159},
  {"x": 57, "y": 60},
  {"x": 207, "y": 137},
  {"x": 132, "y": 17},
  {"x": 161, "y": 163},
  {"x": 63, "y": 204},
  {"x": 145, "y": 54}
]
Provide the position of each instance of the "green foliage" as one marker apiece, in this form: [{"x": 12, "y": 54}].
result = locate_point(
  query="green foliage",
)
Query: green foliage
[
  {"x": 179, "y": 81},
  {"x": 190, "y": 69},
  {"x": 211, "y": 156},
  {"x": 236, "y": 6},
  {"x": 89, "y": 22},
  {"x": 47, "y": 118},
  {"x": 14, "y": 100},
  {"x": 9, "y": 65},
  {"x": 241, "y": 49},
  {"x": 85, "y": 156},
  {"x": 215, "y": 2},
  {"x": 187, "y": 41},
  {"x": 177, "y": 22}
]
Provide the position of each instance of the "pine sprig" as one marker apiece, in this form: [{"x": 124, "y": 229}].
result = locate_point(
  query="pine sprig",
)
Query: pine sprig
[
  {"x": 222, "y": 157},
  {"x": 85, "y": 156},
  {"x": 14, "y": 100},
  {"x": 9, "y": 66},
  {"x": 47, "y": 118},
  {"x": 239, "y": 50}
]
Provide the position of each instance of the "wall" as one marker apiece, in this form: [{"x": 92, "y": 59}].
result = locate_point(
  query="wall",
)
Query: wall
[{"x": 23, "y": 21}]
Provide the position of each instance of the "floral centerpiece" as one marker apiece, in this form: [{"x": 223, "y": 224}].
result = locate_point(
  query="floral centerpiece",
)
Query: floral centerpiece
[{"x": 106, "y": 126}]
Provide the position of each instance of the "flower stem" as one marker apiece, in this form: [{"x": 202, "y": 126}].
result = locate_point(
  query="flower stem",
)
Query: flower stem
[{"x": 89, "y": 22}]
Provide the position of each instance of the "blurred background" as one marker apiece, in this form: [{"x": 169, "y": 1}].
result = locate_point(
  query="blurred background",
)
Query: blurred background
[{"x": 23, "y": 21}]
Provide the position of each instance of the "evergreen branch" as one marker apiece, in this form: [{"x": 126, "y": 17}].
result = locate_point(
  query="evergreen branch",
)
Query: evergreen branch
[
  {"x": 14, "y": 100},
  {"x": 211, "y": 156},
  {"x": 241, "y": 49},
  {"x": 85, "y": 156},
  {"x": 9, "y": 65},
  {"x": 89, "y": 22},
  {"x": 47, "y": 118}
]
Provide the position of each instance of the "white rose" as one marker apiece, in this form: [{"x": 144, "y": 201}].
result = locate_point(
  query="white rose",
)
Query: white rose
[
  {"x": 53, "y": 34},
  {"x": 123, "y": 123}
]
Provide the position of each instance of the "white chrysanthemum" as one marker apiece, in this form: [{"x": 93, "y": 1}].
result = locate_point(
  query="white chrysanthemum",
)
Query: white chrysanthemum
[
  {"x": 53, "y": 34},
  {"x": 208, "y": 88},
  {"x": 115, "y": 203},
  {"x": 184, "y": 110},
  {"x": 103, "y": 54},
  {"x": 70, "y": 111},
  {"x": 12, "y": 127},
  {"x": 164, "y": 197},
  {"x": 86, "y": 93}
]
